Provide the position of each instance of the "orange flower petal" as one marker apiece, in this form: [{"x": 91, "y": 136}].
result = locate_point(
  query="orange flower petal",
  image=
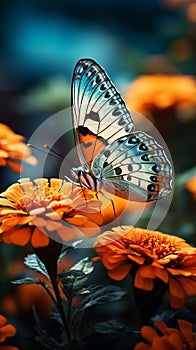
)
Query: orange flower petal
[
  {"x": 7, "y": 331},
  {"x": 5, "y": 203},
  {"x": 3, "y": 320},
  {"x": 150, "y": 271},
  {"x": 177, "y": 293},
  {"x": 188, "y": 284},
  {"x": 90, "y": 229},
  {"x": 19, "y": 236},
  {"x": 172, "y": 342},
  {"x": 162, "y": 327},
  {"x": 9, "y": 223},
  {"x": 138, "y": 259},
  {"x": 13, "y": 193},
  {"x": 148, "y": 333},
  {"x": 186, "y": 329},
  {"x": 120, "y": 272},
  {"x": 141, "y": 346},
  {"x": 53, "y": 225},
  {"x": 16, "y": 167},
  {"x": 68, "y": 233},
  {"x": 8, "y": 347},
  {"x": 39, "y": 239},
  {"x": 143, "y": 283}
]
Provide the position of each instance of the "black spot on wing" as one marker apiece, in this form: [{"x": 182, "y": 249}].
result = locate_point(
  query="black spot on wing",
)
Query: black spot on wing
[
  {"x": 105, "y": 164},
  {"x": 107, "y": 94},
  {"x": 156, "y": 168},
  {"x": 118, "y": 170},
  {"x": 122, "y": 121},
  {"x": 93, "y": 116},
  {"x": 133, "y": 140},
  {"x": 145, "y": 158},
  {"x": 84, "y": 131},
  {"x": 142, "y": 147},
  {"x": 116, "y": 111},
  {"x": 106, "y": 154},
  {"x": 151, "y": 188},
  {"x": 103, "y": 87},
  {"x": 153, "y": 178},
  {"x": 113, "y": 102},
  {"x": 98, "y": 79}
]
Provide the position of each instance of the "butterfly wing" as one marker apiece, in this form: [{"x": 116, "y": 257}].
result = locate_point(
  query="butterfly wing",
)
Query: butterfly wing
[
  {"x": 134, "y": 167},
  {"x": 99, "y": 113}
]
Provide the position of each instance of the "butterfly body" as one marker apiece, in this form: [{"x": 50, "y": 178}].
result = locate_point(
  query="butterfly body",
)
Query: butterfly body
[
  {"x": 87, "y": 179},
  {"x": 113, "y": 156}
]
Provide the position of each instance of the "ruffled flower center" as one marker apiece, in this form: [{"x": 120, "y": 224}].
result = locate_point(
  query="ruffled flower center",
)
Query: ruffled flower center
[
  {"x": 39, "y": 198},
  {"x": 158, "y": 245}
]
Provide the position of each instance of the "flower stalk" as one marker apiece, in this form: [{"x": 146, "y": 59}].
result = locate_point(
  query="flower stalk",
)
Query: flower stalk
[
  {"x": 148, "y": 302},
  {"x": 49, "y": 256}
]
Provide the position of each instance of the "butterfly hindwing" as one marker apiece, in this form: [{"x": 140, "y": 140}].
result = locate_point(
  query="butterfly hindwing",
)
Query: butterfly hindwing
[
  {"x": 100, "y": 115},
  {"x": 136, "y": 167}
]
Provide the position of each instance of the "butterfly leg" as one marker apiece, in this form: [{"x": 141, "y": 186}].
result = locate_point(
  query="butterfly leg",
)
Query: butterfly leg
[
  {"x": 112, "y": 202},
  {"x": 80, "y": 184},
  {"x": 110, "y": 199}
]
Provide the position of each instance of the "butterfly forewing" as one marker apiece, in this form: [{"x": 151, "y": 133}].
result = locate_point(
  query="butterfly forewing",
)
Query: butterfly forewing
[
  {"x": 131, "y": 164},
  {"x": 99, "y": 113},
  {"x": 136, "y": 167}
]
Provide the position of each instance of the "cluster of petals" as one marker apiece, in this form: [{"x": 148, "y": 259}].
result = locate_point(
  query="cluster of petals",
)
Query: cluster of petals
[
  {"x": 170, "y": 338},
  {"x": 153, "y": 255},
  {"x": 191, "y": 186},
  {"x": 172, "y": 91},
  {"x": 6, "y": 330},
  {"x": 13, "y": 150},
  {"x": 46, "y": 209}
]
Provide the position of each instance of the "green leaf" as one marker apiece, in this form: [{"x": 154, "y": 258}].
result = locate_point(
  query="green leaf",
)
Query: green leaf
[
  {"x": 102, "y": 296},
  {"x": 50, "y": 343},
  {"x": 33, "y": 262},
  {"x": 27, "y": 280},
  {"x": 56, "y": 316},
  {"x": 83, "y": 265},
  {"x": 88, "y": 289},
  {"x": 66, "y": 249},
  {"x": 111, "y": 327},
  {"x": 73, "y": 280}
]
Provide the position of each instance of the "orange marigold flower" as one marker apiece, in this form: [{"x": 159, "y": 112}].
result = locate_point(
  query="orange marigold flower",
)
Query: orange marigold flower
[
  {"x": 171, "y": 338},
  {"x": 158, "y": 96},
  {"x": 191, "y": 186},
  {"x": 6, "y": 330},
  {"x": 13, "y": 149},
  {"x": 47, "y": 209},
  {"x": 151, "y": 255}
]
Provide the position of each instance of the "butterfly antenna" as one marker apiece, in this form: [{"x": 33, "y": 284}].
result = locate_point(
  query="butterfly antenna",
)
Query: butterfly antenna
[{"x": 52, "y": 154}]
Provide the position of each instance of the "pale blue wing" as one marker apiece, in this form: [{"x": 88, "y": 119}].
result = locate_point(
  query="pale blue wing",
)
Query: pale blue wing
[
  {"x": 135, "y": 167},
  {"x": 98, "y": 110}
]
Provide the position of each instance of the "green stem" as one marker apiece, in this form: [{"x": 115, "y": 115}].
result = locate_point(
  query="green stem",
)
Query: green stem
[
  {"x": 49, "y": 256},
  {"x": 59, "y": 305},
  {"x": 48, "y": 291},
  {"x": 69, "y": 316}
]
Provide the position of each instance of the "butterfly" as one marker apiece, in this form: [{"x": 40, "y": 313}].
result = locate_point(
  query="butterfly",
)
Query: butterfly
[{"x": 112, "y": 154}]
